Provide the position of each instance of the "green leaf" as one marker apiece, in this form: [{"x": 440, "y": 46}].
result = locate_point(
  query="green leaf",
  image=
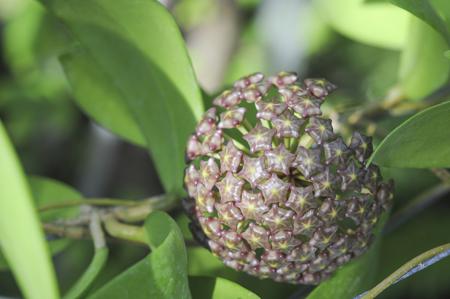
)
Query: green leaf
[
  {"x": 424, "y": 10},
  {"x": 423, "y": 66},
  {"x": 139, "y": 51},
  {"x": 379, "y": 24},
  {"x": 218, "y": 288},
  {"x": 21, "y": 238},
  {"x": 47, "y": 191},
  {"x": 162, "y": 274},
  {"x": 356, "y": 276},
  {"x": 100, "y": 99},
  {"x": 422, "y": 141}
]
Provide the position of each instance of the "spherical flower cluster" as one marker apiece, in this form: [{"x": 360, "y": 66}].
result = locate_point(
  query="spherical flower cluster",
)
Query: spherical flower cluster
[{"x": 273, "y": 190}]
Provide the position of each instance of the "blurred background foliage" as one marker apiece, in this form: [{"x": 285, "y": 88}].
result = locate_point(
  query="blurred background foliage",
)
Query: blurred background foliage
[{"x": 370, "y": 49}]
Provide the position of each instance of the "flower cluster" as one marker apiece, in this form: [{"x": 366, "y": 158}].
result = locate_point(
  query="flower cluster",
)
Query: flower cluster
[{"x": 273, "y": 190}]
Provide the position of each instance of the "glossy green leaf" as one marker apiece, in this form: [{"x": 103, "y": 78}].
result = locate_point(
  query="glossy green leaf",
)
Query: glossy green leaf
[
  {"x": 139, "y": 50},
  {"x": 100, "y": 99},
  {"x": 424, "y": 10},
  {"x": 423, "y": 66},
  {"x": 378, "y": 24},
  {"x": 356, "y": 276},
  {"x": 423, "y": 141},
  {"x": 22, "y": 240},
  {"x": 218, "y": 288},
  {"x": 162, "y": 274}
]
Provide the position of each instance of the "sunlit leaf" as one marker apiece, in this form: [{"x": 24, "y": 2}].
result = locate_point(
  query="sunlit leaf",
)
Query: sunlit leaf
[
  {"x": 424, "y": 10},
  {"x": 139, "y": 50},
  {"x": 21, "y": 238},
  {"x": 424, "y": 67},
  {"x": 378, "y": 24},
  {"x": 423, "y": 141}
]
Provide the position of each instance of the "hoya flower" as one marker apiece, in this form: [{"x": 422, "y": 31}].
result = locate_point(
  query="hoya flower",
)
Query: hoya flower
[{"x": 273, "y": 190}]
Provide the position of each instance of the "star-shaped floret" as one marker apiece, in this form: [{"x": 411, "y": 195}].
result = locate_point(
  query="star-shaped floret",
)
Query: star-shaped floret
[
  {"x": 207, "y": 123},
  {"x": 268, "y": 110},
  {"x": 279, "y": 159},
  {"x": 209, "y": 173},
  {"x": 283, "y": 79},
  {"x": 253, "y": 170},
  {"x": 274, "y": 190},
  {"x": 230, "y": 188},
  {"x": 193, "y": 147},
  {"x": 308, "y": 161},
  {"x": 307, "y": 106},
  {"x": 246, "y": 81},
  {"x": 302, "y": 253},
  {"x": 319, "y": 88},
  {"x": 385, "y": 194},
  {"x": 191, "y": 180},
  {"x": 338, "y": 248},
  {"x": 362, "y": 145},
  {"x": 278, "y": 218},
  {"x": 291, "y": 93},
  {"x": 212, "y": 142},
  {"x": 336, "y": 151},
  {"x": 307, "y": 223},
  {"x": 233, "y": 241},
  {"x": 324, "y": 183},
  {"x": 230, "y": 158},
  {"x": 229, "y": 214},
  {"x": 254, "y": 92},
  {"x": 323, "y": 237},
  {"x": 301, "y": 199},
  {"x": 252, "y": 205},
  {"x": 205, "y": 200},
  {"x": 283, "y": 240},
  {"x": 231, "y": 118},
  {"x": 372, "y": 177},
  {"x": 228, "y": 98},
  {"x": 211, "y": 227},
  {"x": 287, "y": 124},
  {"x": 273, "y": 258},
  {"x": 319, "y": 263},
  {"x": 328, "y": 211},
  {"x": 320, "y": 129},
  {"x": 356, "y": 210},
  {"x": 350, "y": 176},
  {"x": 259, "y": 138},
  {"x": 256, "y": 236}
]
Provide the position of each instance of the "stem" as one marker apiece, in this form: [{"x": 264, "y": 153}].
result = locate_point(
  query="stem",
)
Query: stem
[
  {"x": 124, "y": 231},
  {"x": 415, "y": 265},
  {"x": 73, "y": 232},
  {"x": 97, "y": 263},
  {"x": 142, "y": 210},
  {"x": 91, "y": 202}
]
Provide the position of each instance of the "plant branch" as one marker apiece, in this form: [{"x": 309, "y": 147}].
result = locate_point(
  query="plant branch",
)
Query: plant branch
[
  {"x": 124, "y": 231},
  {"x": 415, "y": 265},
  {"x": 90, "y": 202}
]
